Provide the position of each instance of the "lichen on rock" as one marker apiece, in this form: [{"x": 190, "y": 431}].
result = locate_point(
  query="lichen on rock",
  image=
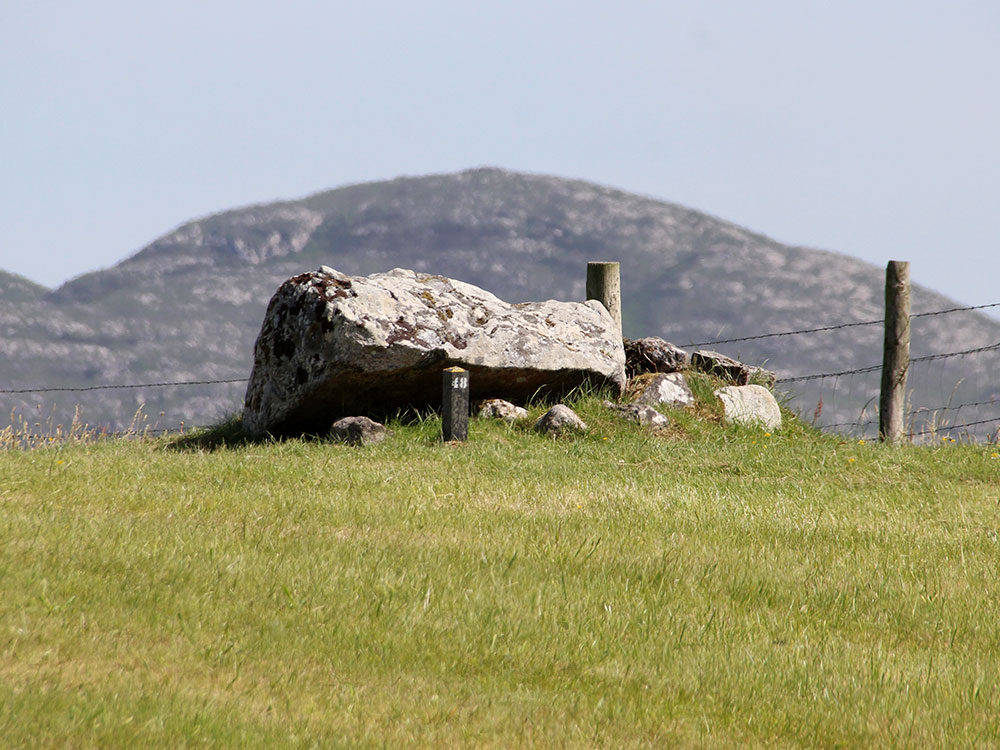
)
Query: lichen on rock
[{"x": 332, "y": 345}]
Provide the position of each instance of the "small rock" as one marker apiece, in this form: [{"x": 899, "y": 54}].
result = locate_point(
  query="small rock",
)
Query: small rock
[
  {"x": 721, "y": 366},
  {"x": 653, "y": 354},
  {"x": 559, "y": 419},
  {"x": 641, "y": 414},
  {"x": 750, "y": 405},
  {"x": 671, "y": 389},
  {"x": 358, "y": 431},
  {"x": 497, "y": 408},
  {"x": 732, "y": 370}
]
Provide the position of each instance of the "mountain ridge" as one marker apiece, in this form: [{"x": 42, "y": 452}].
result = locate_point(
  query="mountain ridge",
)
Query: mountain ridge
[{"x": 14, "y": 287}]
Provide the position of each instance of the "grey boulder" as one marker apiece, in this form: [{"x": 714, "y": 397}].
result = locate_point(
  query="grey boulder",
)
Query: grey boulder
[
  {"x": 558, "y": 420},
  {"x": 497, "y": 408},
  {"x": 358, "y": 431},
  {"x": 750, "y": 405},
  {"x": 653, "y": 354},
  {"x": 669, "y": 389},
  {"x": 641, "y": 414},
  {"x": 333, "y": 345},
  {"x": 730, "y": 369}
]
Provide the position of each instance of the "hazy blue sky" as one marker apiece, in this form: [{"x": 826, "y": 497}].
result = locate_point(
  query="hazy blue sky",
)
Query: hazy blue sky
[{"x": 871, "y": 128}]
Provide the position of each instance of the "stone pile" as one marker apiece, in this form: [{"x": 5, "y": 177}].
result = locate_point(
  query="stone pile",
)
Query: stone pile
[
  {"x": 334, "y": 346},
  {"x": 748, "y": 401}
]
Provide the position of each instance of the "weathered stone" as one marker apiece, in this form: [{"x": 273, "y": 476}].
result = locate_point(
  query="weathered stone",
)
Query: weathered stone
[
  {"x": 333, "y": 345},
  {"x": 358, "y": 431},
  {"x": 641, "y": 414},
  {"x": 653, "y": 354},
  {"x": 751, "y": 405},
  {"x": 721, "y": 366},
  {"x": 559, "y": 419},
  {"x": 497, "y": 408},
  {"x": 730, "y": 369},
  {"x": 665, "y": 388}
]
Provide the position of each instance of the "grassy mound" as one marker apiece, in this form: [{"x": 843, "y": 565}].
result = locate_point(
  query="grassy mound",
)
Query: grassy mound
[{"x": 708, "y": 586}]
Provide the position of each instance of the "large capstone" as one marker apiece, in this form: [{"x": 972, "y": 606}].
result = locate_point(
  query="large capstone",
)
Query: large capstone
[{"x": 333, "y": 345}]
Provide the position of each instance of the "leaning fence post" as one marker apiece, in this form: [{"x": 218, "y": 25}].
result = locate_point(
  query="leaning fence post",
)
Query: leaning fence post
[
  {"x": 455, "y": 404},
  {"x": 896, "y": 351},
  {"x": 605, "y": 285}
]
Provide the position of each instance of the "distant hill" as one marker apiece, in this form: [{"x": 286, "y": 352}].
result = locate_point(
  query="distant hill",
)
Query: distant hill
[
  {"x": 15, "y": 288},
  {"x": 189, "y": 306}
]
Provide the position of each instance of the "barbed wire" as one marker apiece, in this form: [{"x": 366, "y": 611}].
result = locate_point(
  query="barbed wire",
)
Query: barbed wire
[
  {"x": 873, "y": 368},
  {"x": 880, "y": 321},
  {"x": 842, "y": 373},
  {"x": 786, "y": 333},
  {"x": 954, "y": 310},
  {"x": 978, "y": 350},
  {"x": 926, "y": 410},
  {"x": 796, "y": 379},
  {"x": 82, "y": 389},
  {"x": 862, "y": 425},
  {"x": 120, "y": 387},
  {"x": 926, "y": 431},
  {"x": 944, "y": 428}
]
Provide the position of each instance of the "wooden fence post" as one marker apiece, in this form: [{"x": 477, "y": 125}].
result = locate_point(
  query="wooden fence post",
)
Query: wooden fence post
[
  {"x": 896, "y": 351},
  {"x": 455, "y": 404},
  {"x": 605, "y": 285}
]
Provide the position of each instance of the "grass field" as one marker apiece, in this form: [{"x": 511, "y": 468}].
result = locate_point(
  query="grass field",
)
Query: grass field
[{"x": 707, "y": 587}]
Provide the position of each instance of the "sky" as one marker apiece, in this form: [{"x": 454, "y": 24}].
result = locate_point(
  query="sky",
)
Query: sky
[{"x": 870, "y": 128}]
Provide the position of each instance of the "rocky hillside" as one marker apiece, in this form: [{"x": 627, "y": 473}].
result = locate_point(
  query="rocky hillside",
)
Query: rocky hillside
[{"x": 189, "y": 306}]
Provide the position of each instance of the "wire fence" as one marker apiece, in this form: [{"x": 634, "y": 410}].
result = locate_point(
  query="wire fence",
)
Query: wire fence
[
  {"x": 975, "y": 391},
  {"x": 82, "y": 389},
  {"x": 28, "y": 429},
  {"x": 838, "y": 327},
  {"x": 875, "y": 368},
  {"x": 860, "y": 424},
  {"x": 932, "y": 418}
]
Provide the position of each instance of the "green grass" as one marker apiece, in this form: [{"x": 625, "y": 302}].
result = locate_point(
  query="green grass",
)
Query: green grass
[{"x": 706, "y": 587}]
